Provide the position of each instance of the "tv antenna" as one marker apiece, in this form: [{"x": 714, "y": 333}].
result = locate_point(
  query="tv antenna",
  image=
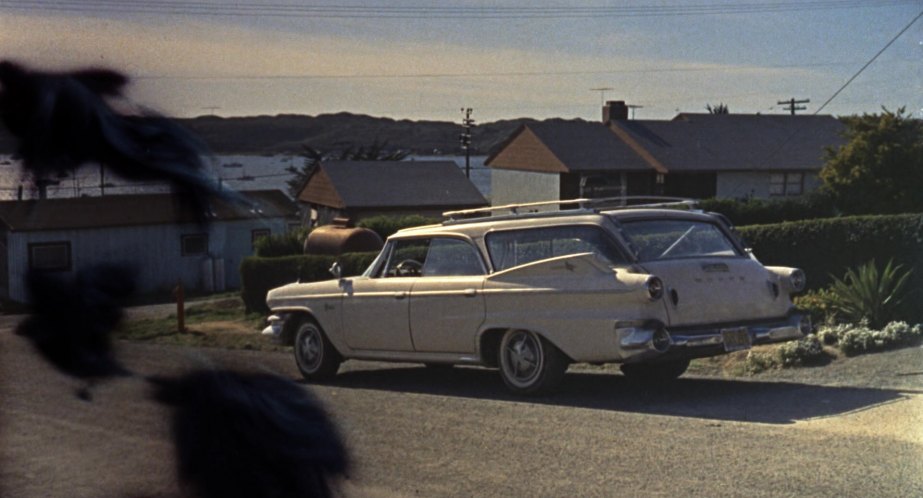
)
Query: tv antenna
[{"x": 602, "y": 93}]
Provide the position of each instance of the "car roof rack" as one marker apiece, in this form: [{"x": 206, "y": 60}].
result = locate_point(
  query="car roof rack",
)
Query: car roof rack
[{"x": 530, "y": 209}]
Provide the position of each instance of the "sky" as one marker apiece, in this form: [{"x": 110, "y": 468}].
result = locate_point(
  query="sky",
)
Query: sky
[{"x": 410, "y": 59}]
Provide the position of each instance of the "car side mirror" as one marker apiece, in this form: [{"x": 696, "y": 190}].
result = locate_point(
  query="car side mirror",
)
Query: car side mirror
[{"x": 336, "y": 270}]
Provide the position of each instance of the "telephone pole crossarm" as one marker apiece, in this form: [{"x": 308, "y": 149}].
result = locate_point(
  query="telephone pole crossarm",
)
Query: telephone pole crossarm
[{"x": 792, "y": 105}]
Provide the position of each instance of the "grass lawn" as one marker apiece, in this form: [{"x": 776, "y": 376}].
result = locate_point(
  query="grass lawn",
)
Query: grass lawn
[{"x": 219, "y": 323}]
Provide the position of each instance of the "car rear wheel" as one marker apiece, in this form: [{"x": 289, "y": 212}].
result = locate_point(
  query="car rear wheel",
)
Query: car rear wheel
[
  {"x": 659, "y": 372},
  {"x": 316, "y": 357},
  {"x": 529, "y": 364}
]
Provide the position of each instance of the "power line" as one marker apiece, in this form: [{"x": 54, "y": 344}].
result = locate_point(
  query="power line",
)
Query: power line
[
  {"x": 869, "y": 63},
  {"x": 576, "y": 72},
  {"x": 429, "y": 12}
]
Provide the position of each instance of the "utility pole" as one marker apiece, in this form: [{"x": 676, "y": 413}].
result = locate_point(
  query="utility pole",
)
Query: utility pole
[
  {"x": 792, "y": 105},
  {"x": 465, "y": 139}
]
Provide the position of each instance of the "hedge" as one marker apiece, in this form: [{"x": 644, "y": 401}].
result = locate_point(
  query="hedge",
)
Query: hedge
[
  {"x": 762, "y": 211},
  {"x": 830, "y": 246},
  {"x": 259, "y": 275},
  {"x": 386, "y": 225}
]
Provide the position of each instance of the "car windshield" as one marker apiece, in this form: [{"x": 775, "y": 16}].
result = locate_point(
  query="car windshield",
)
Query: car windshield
[
  {"x": 666, "y": 239},
  {"x": 518, "y": 247}
]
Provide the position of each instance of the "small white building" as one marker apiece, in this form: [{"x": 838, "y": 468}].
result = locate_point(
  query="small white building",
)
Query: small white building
[{"x": 148, "y": 232}]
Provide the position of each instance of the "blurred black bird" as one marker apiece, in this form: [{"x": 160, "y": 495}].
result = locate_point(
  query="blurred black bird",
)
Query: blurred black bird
[
  {"x": 73, "y": 317},
  {"x": 62, "y": 120},
  {"x": 249, "y": 435}
]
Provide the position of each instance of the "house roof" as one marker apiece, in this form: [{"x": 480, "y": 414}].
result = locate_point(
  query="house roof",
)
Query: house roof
[
  {"x": 563, "y": 146},
  {"x": 390, "y": 184},
  {"x": 687, "y": 143},
  {"x": 133, "y": 210},
  {"x": 729, "y": 142}
]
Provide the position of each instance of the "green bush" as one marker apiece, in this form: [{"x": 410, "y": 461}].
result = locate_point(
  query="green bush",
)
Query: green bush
[
  {"x": 805, "y": 351},
  {"x": 830, "y": 246},
  {"x": 762, "y": 211},
  {"x": 386, "y": 225},
  {"x": 259, "y": 275},
  {"x": 759, "y": 361},
  {"x": 290, "y": 243},
  {"x": 816, "y": 304}
]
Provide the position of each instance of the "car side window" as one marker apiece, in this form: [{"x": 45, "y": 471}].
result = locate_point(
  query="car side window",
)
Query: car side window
[
  {"x": 451, "y": 257},
  {"x": 517, "y": 247},
  {"x": 407, "y": 258}
]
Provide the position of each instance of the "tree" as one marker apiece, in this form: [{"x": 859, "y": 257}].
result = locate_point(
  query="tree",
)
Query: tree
[
  {"x": 880, "y": 168},
  {"x": 721, "y": 108},
  {"x": 378, "y": 151}
]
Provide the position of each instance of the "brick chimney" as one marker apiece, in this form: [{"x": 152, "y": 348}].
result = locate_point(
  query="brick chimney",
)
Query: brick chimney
[{"x": 615, "y": 110}]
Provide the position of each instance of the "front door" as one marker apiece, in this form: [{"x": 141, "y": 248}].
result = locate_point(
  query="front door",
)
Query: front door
[{"x": 376, "y": 313}]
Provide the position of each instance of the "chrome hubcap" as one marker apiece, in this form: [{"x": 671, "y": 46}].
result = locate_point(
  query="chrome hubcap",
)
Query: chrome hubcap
[
  {"x": 523, "y": 357},
  {"x": 311, "y": 351}
]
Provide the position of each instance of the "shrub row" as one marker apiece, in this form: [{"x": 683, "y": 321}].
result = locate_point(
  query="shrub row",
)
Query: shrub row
[
  {"x": 830, "y": 246},
  {"x": 805, "y": 351},
  {"x": 851, "y": 339},
  {"x": 259, "y": 275},
  {"x": 385, "y": 225},
  {"x": 854, "y": 339},
  {"x": 282, "y": 244},
  {"x": 762, "y": 211}
]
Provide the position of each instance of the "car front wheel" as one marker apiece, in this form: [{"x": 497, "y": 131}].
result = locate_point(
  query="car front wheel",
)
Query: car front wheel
[
  {"x": 529, "y": 364},
  {"x": 316, "y": 357}
]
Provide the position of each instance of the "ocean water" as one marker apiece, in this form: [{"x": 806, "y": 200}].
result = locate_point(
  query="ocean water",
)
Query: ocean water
[{"x": 235, "y": 172}]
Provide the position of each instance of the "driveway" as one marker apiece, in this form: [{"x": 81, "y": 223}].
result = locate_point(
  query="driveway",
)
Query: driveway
[{"x": 417, "y": 432}]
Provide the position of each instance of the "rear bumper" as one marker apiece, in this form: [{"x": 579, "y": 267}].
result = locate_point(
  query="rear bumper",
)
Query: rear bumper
[{"x": 654, "y": 341}]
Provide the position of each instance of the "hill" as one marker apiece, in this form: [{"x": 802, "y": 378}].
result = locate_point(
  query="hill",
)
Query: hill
[{"x": 288, "y": 133}]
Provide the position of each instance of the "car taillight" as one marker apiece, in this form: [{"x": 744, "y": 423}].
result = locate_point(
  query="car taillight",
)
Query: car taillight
[
  {"x": 655, "y": 288},
  {"x": 797, "y": 280}
]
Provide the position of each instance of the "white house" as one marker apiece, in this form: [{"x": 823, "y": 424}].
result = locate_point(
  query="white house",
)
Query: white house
[
  {"x": 692, "y": 155},
  {"x": 149, "y": 232}
]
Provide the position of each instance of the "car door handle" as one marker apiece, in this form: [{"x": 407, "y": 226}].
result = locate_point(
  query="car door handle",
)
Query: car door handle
[
  {"x": 470, "y": 292},
  {"x": 400, "y": 295}
]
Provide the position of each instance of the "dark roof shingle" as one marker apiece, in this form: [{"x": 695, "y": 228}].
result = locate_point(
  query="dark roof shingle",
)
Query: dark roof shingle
[
  {"x": 393, "y": 184},
  {"x": 737, "y": 142},
  {"x": 132, "y": 210}
]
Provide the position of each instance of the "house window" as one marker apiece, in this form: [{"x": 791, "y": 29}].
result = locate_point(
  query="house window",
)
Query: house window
[
  {"x": 50, "y": 256},
  {"x": 256, "y": 235},
  {"x": 195, "y": 244},
  {"x": 786, "y": 184}
]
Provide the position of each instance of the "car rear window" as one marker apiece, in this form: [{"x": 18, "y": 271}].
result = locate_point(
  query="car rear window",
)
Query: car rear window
[
  {"x": 518, "y": 247},
  {"x": 668, "y": 239}
]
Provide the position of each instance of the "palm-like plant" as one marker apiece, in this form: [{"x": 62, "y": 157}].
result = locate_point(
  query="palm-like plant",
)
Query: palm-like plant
[{"x": 867, "y": 294}]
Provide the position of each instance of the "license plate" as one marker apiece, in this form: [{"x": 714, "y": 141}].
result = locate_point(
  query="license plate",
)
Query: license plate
[{"x": 736, "y": 339}]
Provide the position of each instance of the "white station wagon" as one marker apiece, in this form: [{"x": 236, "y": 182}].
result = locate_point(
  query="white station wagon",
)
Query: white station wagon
[{"x": 530, "y": 293}]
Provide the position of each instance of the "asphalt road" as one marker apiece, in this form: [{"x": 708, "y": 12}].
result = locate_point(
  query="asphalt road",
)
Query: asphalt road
[{"x": 418, "y": 432}]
